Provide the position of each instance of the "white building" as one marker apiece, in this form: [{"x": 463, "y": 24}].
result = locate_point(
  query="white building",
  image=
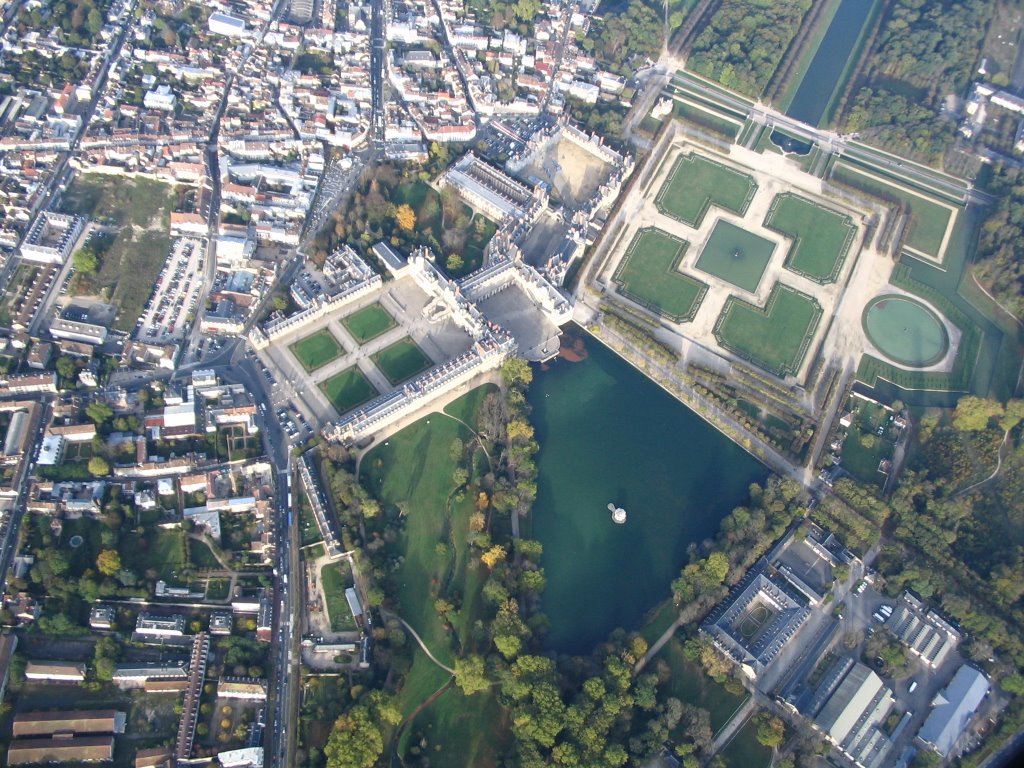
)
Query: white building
[
  {"x": 229, "y": 26},
  {"x": 160, "y": 98}
]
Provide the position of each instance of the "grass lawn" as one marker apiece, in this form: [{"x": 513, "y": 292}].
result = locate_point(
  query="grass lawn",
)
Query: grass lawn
[
  {"x": 402, "y": 360},
  {"x": 159, "y": 549},
  {"x": 476, "y": 241},
  {"x": 927, "y": 219},
  {"x": 141, "y": 209},
  {"x": 335, "y": 578},
  {"x": 201, "y": 556},
  {"x": 744, "y": 751},
  {"x": 776, "y": 337},
  {"x": 695, "y": 183},
  {"x": 369, "y": 323},
  {"x": 413, "y": 471},
  {"x": 347, "y": 389},
  {"x": 218, "y": 589},
  {"x": 689, "y": 683},
  {"x": 461, "y": 730},
  {"x": 317, "y": 350},
  {"x": 308, "y": 528},
  {"x": 821, "y": 237},
  {"x": 862, "y": 452},
  {"x": 648, "y": 275},
  {"x": 466, "y": 407},
  {"x": 735, "y": 255},
  {"x": 426, "y": 203}
]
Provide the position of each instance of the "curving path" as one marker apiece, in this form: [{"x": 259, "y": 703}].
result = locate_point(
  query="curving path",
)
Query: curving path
[
  {"x": 418, "y": 639},
  {"x": 995, "y": 473}
]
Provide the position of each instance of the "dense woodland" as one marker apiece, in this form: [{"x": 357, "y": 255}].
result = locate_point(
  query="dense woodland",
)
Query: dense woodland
[
  {"x": 625, "y": 41},
  {"x": 1000, "y": 266},
  {"x": 744, "y": 41},
  {"x": 922, "y": 52}
]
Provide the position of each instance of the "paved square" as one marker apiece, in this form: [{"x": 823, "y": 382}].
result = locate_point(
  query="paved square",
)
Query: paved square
[{"x": 736, "y": 255}]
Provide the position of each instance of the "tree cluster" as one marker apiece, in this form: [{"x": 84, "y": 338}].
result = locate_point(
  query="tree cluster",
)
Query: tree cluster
[
  {"x": 999, "y": 265},
  {"x": 624, "y": 41},
  {"x": 744, "y": 40}
]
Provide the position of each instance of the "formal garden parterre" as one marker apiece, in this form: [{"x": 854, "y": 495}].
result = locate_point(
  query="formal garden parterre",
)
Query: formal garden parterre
[
  {"x": 649, "y": 274},
  {"x": 821, "y": 237}
]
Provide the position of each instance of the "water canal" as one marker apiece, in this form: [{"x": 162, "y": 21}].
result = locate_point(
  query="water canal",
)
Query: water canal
[
  {"x": 825, "y": 73},
  {"x": 609, "y": 435}
]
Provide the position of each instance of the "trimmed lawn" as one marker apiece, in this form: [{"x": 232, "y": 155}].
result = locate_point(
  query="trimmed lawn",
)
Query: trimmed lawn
[
  {"x": 744, "y": 751},
  {"x": 862, "y": 452},
  {"x": 821, "y": 237},
  {"x": 402, "y": 360},
  {"x": 335, "y": 578},
  {"x": 476, "y": 241},
  {"x": 369, "y": 323},
  {"x": 735, "y": 255},
  {"x": 461, "y": 730},
  {"x": 649, "y": 276},
  {"x": 348, "y": 389},
  {"x": 695, "y": 183},
  {"x": 465, "y": 408},
  {"x": 425, "y": 202},
  {"x": 201, "y": 556},
  {"x": 317, "y": 350},
  {"x": 160, "y": 549},
  {"x": 927, "y": 219},
  {"x": 776, "y": 337},
  {"x": 413, "y": 471},
  {"x": 141, "y": 209}
]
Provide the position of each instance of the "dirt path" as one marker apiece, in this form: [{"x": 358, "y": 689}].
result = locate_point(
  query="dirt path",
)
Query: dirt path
[
  {"x": 999, "y": 466},
  {"x": 418, "y": 639}
]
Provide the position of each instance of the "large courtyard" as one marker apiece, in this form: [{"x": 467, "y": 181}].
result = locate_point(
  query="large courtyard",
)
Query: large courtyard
[{"x": 750, "y": 257}]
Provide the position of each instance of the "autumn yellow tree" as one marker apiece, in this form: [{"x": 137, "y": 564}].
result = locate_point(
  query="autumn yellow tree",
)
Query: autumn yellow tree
[
  {"x": 108, "y": 562},
  {"x": 405, "y": 216},
  {"x": 477, "y": 522},
  {"x": 493, "y": 556}
]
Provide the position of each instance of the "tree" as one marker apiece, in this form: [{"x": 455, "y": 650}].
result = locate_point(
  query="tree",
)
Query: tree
[
  {"x": 66, "y": 367},
  {"x": 973, "y": 414},
  {"x": 493, "y": 556},
  {"x": 279, "y": 303},
  {"x": 454, "y": 262},
  {"x": 516, "y": 372},
  {"x": 99, "y": 466},
  {"x": 770, "y": 730},
  {"x": 108, "y": 562},
  {"x": 85, "y": 261},
  {"x": 470, "y": 675},
  {"x": 99, "y": 412},
  {"x": 405, "y": 217}
]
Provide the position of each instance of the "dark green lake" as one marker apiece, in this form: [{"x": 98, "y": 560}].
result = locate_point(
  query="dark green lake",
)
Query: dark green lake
[
  {"x": 608, "y": 434},
  {"x": 825, "y": 72}
]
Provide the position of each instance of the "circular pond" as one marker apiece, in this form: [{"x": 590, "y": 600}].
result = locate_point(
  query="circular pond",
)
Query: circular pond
[{"x": 906, "y": 331}]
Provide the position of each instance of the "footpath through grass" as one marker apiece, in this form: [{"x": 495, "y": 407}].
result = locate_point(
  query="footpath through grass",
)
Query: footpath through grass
[
  {"x": 649, "y": 275},
  {"x": 317, "y": 350},
  {"x": 413, "y": 472},
  {"x": 141, "y": 210},
  {"x": 369, "y": 323},
  {"x": 690, "y": 684}
]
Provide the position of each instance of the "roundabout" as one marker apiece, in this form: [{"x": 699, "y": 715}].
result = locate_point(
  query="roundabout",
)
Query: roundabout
[{"x": 905, "y": 331}]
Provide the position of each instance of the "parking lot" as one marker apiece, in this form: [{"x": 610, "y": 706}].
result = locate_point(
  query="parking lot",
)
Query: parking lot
[{"x": 166, "y": 316}]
